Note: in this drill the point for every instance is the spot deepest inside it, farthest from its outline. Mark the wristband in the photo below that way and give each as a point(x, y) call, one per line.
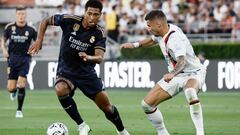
point(136, 44)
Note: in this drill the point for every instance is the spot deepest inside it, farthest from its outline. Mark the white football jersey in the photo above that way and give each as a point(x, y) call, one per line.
point(175, 43)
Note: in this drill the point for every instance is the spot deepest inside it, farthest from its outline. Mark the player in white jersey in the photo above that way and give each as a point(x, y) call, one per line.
point(185, 71)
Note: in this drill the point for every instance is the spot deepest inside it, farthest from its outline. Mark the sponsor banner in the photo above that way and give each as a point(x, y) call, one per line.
point(221, 75)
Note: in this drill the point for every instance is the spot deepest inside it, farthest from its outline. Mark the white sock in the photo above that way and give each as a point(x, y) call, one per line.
point(195, 110)
point(156, 119)
point(197, 118)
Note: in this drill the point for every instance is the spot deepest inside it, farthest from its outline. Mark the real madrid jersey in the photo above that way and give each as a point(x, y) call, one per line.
point(20, 38)
point(174, 44)
point(75, 39)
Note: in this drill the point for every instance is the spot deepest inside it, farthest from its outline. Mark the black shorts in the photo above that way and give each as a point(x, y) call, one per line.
point(89, 86)
point(18, 66)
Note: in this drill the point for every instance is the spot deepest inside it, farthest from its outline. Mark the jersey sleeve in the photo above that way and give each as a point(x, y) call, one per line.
point(57, 19)
point(177, 45)
point(101, 43)
point(6, 32)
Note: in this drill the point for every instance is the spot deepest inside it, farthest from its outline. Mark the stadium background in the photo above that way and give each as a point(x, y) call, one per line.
point(213, 27)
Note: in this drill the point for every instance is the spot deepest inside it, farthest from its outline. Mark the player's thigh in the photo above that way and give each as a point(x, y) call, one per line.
point(196, 80)
point(156, 95)
point(102, 101)
point(11, 85)
point(21, 82)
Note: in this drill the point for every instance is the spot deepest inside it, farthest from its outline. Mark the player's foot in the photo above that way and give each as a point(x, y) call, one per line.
point(13, 95)
point(84, 129)
point(124, 132)
point(19, 114)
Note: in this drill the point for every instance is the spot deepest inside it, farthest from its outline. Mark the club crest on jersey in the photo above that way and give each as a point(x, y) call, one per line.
point(75, 28)
point(13, 29)
point(92, 39)
point(26, 33)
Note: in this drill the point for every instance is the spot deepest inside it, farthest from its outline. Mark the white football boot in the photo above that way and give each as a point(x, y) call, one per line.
point(83, 129)
point(13, 96)
point(124, 132)
point(19, 114)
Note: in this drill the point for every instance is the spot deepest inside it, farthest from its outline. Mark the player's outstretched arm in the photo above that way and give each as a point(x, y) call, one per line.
point(36, 46)
point(143, 43)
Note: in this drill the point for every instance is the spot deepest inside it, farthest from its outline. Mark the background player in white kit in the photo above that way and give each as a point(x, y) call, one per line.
point(185, 71)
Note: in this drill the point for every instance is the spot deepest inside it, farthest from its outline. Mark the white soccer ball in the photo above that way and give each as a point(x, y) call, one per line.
point(57, 128)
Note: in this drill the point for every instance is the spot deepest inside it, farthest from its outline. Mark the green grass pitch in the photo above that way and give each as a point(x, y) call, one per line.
point(221, 113)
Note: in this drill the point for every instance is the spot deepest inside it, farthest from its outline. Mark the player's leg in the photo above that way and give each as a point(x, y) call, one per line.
point(102, 101)
point(12, 82)
point(149, 105)
point(191, 90)
point(63, 88)
point(12, 89)
point(21, 83)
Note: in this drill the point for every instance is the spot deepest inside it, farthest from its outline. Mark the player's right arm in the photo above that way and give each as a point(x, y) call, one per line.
point(143, 43)
point(5, 52)
point(34, 49)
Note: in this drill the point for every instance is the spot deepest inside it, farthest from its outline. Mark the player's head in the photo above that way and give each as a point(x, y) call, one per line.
point(93, 11)
point(156, 22)
point(21, 14)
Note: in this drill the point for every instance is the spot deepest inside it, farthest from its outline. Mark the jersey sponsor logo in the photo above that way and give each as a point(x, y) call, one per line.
point(92, 39)
point(78, 44)
point(19, 39)
point(13, 29)
point(75, 28)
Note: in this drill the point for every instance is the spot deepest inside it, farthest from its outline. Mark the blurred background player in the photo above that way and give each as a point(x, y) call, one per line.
point(82, 47)
point(185, 71)
point(19, 35)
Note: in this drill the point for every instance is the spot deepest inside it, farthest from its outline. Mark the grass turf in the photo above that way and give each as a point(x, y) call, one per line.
point(41, 108)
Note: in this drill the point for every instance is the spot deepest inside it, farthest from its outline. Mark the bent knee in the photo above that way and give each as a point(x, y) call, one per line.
point(191, 96)
point(147, 108)
point(62, 89)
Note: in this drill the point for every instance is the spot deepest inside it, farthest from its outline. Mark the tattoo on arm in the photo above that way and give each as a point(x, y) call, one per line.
point(180, 65)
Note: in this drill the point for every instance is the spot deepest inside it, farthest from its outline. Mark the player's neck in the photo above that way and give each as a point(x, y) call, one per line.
point(165, 31)
point(84, 24)
point(21, 24)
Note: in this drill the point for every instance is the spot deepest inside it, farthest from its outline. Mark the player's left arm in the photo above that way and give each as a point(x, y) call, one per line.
point(97, 58)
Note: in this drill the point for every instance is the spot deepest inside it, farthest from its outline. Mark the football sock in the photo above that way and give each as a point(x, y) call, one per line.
point(195, 110)
point(155, 117)
point(70, 107)
point(13, 91)
point(21, 96)
point(114, 117)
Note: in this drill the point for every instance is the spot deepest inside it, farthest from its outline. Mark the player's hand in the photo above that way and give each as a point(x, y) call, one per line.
point(126, 45)
point(168, 77)
point(35, 47)
point(83, 55)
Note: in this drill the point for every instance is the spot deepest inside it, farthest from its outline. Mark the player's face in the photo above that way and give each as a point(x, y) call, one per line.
point(21, 16)
point(92, 16)
point(154, 27)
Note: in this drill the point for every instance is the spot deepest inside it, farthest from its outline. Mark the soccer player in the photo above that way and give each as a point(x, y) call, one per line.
point(20, 36)
point(82, 46)
point(185, 71)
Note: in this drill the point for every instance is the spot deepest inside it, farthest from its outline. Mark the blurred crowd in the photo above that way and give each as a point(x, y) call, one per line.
point(126, 17)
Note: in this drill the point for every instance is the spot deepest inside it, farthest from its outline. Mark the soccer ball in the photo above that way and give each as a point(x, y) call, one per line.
point(57, 128)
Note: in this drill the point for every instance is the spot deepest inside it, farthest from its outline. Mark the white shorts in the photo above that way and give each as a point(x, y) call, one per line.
point(179, 81)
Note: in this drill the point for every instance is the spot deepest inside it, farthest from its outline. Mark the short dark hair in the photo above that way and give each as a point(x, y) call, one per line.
point(94, 4)
point(21, 7)
point(155, 14)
